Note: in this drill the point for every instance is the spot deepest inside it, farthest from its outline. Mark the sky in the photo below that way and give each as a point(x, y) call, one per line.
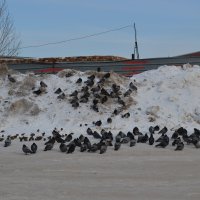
point(164, 27)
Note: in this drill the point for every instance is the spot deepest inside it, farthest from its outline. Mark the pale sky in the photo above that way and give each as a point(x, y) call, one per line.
point(164, 27)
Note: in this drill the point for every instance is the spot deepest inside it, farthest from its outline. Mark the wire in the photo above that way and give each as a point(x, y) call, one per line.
point(77, 38)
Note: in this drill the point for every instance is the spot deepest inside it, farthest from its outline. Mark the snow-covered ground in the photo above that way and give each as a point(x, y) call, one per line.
point(168, 96)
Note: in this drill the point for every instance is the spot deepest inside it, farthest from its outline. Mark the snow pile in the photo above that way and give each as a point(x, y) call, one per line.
point(168, 96)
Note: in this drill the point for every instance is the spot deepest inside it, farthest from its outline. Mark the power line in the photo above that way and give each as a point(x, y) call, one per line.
point(77, 38)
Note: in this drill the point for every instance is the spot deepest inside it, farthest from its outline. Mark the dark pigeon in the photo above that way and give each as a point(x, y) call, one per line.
point(34, 148)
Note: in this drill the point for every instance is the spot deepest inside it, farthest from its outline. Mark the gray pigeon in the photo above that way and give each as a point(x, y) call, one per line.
point(63, 147)
point(132, 142)
point(103, 148)
point(11, 79)
point(25, 149)
point(179, 146)
point(48, 147)
point(117, 146)
point(7, 142)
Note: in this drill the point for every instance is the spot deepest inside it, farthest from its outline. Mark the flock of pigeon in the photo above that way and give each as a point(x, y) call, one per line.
point(94, 90)
point(105, 139)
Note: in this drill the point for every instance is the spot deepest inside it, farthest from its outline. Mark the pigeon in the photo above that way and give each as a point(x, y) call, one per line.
point(122, 134)
point(11, 79)
point(104, 92)
point(151, 129)
point(42, 84)
point(109, 120)
point(95, 101)
point(103, 148)
point(143, 138)
point(120, 101)
point(164, 130)
point(48, 147)
point(196, 143)
point(89, 131)
point(61, 96)
point(51, 140)
point(95, 108)
point(197, 132)
point(96, 89)
point(58, 91)
point(115, 88)
point(136, 131)
point(160, 138)
point(117, 146)
point(118, 138)
point(59, 140)
point(96, 135)
point(89, 82)
point(69, 137)
point(93, 148)
point(156, 128)
point(107, 75)
point(63, 147)
point(176, 141)
point(87, 142)
point(164, 142)
point(181, 131)
point(132, 142)
point(92, 77)
point(71, 148)
point(102, 81)
point(98, 123)
point(151, 139)
point(127, 93)
point(73, 94)
point(104, 99)
point(132, 86)
point(34, 148)
point(38, 92)
point(126, 115)
point(26, 150)
point(125, 140)
point(79, 80)
point(175, 135)
point(77, 142)
point(7, 142)
point(75, 104)
point(116, 112)
point(179, 146)
point(130, 135)
point(81, 138)
point(83, 147)
point(84, 100)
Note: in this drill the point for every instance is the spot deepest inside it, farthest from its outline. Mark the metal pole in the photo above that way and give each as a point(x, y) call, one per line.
point(136, 51)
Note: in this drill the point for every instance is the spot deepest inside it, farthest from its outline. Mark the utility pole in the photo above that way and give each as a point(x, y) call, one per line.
point(136, 51)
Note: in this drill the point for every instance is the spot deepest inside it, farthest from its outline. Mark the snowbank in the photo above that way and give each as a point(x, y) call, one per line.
point(168, 96)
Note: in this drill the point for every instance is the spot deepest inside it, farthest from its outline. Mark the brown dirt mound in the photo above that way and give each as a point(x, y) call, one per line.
point(3, 69)
point(66, 73)
point(23, 106)
point(26, 85)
